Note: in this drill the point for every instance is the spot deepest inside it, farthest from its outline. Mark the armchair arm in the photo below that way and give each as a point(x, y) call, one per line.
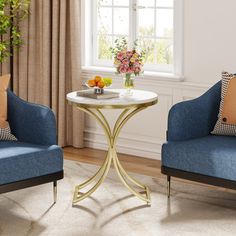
point(30, 122)
point(195, 118)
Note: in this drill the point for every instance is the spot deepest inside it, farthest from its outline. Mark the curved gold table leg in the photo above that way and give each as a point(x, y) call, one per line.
point(104, 169)
point(121, 116)
point(101, 170)
point(122, 121)
point(79, 196)
point(112, 137)
point(124, 176)
point(125, 182)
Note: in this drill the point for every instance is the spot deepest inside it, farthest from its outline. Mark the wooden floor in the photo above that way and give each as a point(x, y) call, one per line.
point(130, 163)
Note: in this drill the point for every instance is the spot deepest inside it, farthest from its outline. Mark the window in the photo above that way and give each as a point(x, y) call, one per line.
point(153, 22)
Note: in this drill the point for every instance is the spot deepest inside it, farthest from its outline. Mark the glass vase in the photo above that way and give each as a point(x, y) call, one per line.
point(128, 84)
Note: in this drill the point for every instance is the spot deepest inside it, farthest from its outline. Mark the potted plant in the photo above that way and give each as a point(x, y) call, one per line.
point(12, 12)
point(128, 62)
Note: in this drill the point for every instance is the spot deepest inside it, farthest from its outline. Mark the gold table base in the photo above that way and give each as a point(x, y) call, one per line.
point(111, 157)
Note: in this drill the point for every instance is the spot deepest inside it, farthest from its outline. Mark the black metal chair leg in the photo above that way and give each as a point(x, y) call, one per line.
point(55, 191)
point(168, 185)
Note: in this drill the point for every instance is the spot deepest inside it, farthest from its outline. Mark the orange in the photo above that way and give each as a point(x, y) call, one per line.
point(97, 78)
point(101, 84)
point(91, 83)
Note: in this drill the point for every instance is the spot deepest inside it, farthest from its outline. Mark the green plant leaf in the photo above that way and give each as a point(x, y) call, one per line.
point(12, 12)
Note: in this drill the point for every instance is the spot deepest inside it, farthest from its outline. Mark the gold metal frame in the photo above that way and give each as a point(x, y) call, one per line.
point(111, 157)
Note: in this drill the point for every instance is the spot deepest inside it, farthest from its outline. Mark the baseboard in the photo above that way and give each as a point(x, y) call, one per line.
point(141, 146)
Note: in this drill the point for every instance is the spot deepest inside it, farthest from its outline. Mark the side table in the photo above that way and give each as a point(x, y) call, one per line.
point(130, 106)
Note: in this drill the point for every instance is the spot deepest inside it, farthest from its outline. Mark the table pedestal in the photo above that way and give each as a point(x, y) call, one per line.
point(111, 157)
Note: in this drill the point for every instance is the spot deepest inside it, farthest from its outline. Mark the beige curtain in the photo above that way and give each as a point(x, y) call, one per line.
point(48, 65)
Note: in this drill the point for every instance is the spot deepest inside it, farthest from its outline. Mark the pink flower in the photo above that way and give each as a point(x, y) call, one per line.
point(120, 56)
point(130, 70)
point(128, 61)
point(136, 64)
point(129, 54)
point(123, 69)
point(125, 62)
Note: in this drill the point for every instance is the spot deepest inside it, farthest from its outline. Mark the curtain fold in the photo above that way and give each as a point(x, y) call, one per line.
point(48, 65)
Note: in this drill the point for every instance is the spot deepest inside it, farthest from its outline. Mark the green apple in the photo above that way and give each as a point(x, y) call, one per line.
point(107, 81)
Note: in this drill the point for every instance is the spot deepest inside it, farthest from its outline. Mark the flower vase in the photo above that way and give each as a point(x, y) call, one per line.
point(128, 83)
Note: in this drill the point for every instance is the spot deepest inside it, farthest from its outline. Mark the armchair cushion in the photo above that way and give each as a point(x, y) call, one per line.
point(211, 155)
point(20, 161)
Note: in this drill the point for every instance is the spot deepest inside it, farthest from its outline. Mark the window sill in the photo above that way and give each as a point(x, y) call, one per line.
point(152, 75)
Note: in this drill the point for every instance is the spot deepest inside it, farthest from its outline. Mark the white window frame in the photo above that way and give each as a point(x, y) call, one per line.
point(88, 39)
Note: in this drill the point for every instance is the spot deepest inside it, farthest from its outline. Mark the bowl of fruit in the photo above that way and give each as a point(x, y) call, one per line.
point(99, 84)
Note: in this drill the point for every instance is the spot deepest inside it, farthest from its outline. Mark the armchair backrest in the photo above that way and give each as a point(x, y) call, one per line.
point(211, 100)
point(195, 118)
point(30, 122)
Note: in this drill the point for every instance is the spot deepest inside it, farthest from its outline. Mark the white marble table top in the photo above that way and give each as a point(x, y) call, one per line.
point(138, 97)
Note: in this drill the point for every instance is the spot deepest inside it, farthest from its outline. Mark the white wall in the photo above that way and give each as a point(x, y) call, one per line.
point(209, 48)
point(209, 39)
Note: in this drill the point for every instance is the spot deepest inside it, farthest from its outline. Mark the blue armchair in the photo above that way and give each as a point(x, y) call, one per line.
point(191, 152)
point(35, 158)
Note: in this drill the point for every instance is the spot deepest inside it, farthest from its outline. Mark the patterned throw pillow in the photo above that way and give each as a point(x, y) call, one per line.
point(5, 131)
point(226, 123)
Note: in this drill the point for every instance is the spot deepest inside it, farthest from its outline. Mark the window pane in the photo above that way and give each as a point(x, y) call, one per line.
point(104, 20)
point(164, 51)
point(164, 25)
point(146, 3)
point(148, 45)
point(121, 21)
point(121, 2)
point(104, 2)
point(104, 44)
point(146, 22)
point(155, 22)
point(165, 3)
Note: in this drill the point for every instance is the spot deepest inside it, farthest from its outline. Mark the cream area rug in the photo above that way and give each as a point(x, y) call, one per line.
point(112, 211)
